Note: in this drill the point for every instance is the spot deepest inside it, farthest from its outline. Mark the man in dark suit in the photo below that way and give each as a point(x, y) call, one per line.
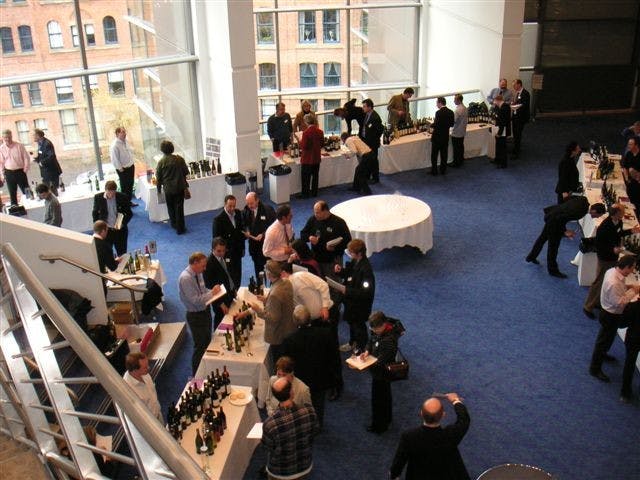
point(256, 218)
point(228, 225)
point(521, 114)
point(217, 273)
point(431, 451)
point(349, 112)
point(503, 122)
point(370, 133)
point(104, 250)
point(107, 206)
point(442, 122)
point(568, 176)
point(49, 167)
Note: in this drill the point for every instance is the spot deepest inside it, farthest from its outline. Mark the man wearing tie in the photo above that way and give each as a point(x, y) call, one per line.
point(256, 218)
point(228, 225)
point(217, 273)
point(442, 122)
point(520, 116)
point(370, 133)
point(278, 237)
point(503, 122)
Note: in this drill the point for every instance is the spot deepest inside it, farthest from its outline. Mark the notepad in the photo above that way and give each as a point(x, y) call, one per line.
point(256, 431)
point(119, 220)
point(334, 242)
point(359, 364)
point(220, 294)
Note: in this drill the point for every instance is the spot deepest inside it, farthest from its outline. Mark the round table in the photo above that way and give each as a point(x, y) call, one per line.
point(514, 471)
point(385, 221)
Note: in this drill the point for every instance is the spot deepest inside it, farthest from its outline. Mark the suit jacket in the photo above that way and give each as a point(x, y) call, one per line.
point(123, 206)
point(608, 236)
point(351, 113)
point(371, 130)
point(171, 174)
point(311, 145)
point(568, 176)
point(278, 312)
point(105, 255)
point(360, 286)
point(214, 274)
point(432, 452)
point(265, 216)
point(523, 113)
point(503, 120)
point(557, 216)
point(313, 349)
point(49, 166)
point(222, 227)
point(442, 122)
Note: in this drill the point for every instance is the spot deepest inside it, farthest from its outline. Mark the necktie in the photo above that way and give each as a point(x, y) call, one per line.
point(224, 266)
point(198, 283)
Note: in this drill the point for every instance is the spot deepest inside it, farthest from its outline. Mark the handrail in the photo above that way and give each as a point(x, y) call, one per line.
point(85, 269)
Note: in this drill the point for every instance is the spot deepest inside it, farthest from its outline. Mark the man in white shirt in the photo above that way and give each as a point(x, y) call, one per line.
point(279, 235)
point(460, 120)
point(615, 296)
point(311, 291)
point(14, 165)
point(138, 378)
point(122, 160)
point(365, 162)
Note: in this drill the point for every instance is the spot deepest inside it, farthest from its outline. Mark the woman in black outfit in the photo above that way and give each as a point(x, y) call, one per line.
point(568, 173)
point(383, 345)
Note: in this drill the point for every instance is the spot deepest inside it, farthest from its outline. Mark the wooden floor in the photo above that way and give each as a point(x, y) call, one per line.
point(18, 462)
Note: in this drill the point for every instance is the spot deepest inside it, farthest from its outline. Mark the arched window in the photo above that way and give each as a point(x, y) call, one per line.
point(7, 40)
point(26, 42)
point(110, 30)
point(308, 75)
point(55, 34)
point(331, 74)
point(267, 73)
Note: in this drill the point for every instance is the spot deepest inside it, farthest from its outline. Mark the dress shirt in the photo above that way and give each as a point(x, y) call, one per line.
point(615, 295)
point(367, 117)
point(301, 394)
point(14, 157)
point(121, 154)
point(112, 211)
point(356, 145)
point(311, 291)
point(146, 390)
point(276, 239)
point(232, 218)
point(460, 120)
point(193, 294)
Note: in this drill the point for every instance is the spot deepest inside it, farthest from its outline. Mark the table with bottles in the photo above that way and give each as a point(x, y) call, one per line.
point(142, 265)
point(212, 428)
point(252, 364)
point(412, 152)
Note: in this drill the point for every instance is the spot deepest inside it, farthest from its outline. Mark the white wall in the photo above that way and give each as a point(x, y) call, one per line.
point(30, 239)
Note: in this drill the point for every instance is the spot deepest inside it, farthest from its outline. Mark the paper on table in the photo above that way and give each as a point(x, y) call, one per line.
point(359, 364)
point(334, 242)
point(124, 259)
point(256, 431)
point(220, 294)
point(335, 285)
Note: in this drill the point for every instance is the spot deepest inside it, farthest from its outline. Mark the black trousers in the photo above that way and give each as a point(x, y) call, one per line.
point(553, 237)
point(518, 127)
point(441, 148)
point(609, 323)
point(259, 261)
point(277, 143)
point(309, 177)
point(175, 207)
point(126, 180)
point(357, 321)
point(15, 179)
point(458, 150)
point(52, 181)
point(501, 151)
point(118, 239)
point(318, 396)
point(200, 327)
point(374, 165)
point(629, 367)
point(362, 172)
point(381, 402)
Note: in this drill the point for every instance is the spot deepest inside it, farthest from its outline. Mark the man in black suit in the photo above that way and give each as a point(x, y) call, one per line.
point(442, 122)
point(503, 122)
point(349, 112)
point(256, 218)
point(217, 273)
point(521, 113)
point(107, 206)
point(104, 250)
point(228, 225)
point(49, 167)
point(370, 133)
point(431, 451)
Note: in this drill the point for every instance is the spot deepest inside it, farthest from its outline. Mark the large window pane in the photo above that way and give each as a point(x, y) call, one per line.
point(331, 74)
point(308, 75)
point(55, 35)
point(7, 40)
point(267, 72)
point(22, 129)
point(90, 32)
point(264, 28)
point(26, 42)
point(35, 97)
point(64, 90)
point(110, 30)
point(307, 27)
point(70, 128)
point(331, 122)
point(15, 92)
point(331, 26)
point(116, 83)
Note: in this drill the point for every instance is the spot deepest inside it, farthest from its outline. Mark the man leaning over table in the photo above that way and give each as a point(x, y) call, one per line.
point(194, 296)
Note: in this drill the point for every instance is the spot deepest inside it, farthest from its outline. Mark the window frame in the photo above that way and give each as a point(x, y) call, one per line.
point(70, 131)
point(336, 103)
point(328, 78)
point(313, 69)
point(6, 38)
point(75, 36)
point(42, 124)
point(60, 87)
point(113, 91)
point(15, 94)
point(264, 78)
point(90, 37)
point(302, 22)
point(55, 37)
point(24, 34)
point(109, 30)
point(31, 90)
point(269, 26)
point(327, 26)
point(23, 133)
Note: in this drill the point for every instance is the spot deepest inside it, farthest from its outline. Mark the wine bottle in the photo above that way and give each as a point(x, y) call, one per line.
point(236, 337)
point(211, 442)
point(223, 418)
point(97, 184)
point(215, 399)
point(227, 339)
point(199, 441)
point(219, 167)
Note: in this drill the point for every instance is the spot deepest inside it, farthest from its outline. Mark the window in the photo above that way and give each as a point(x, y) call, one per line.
point(110, 30)
point(75, 40)
point(26, 42)
point(307, 27)
point(41, 123)
point(264, 28)
point(364, 23)
point(70, 130)
point(97, 113)
point(93, 82)
point(308, 75)
point(331, 74)
point(91, 35)
point(267, 76)
point(64, 90)
point(116, 83)
point(22, 127)
point(268, 108)
point(15, 92)
point(331, 26)
point(331, 122)
point(55, 35)
point(7, 40)
point(35, 96)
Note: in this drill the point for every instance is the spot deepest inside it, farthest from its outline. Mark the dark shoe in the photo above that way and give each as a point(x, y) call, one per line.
point(609, 358)
point(352, 189)
point(600, 375)
point(263, 471)
point(133, 204)
point(434, 173)
point(557, 274)
point(378, 429)
point(443, 172)
point(501, 166)
point(181, 232)
point(588, 313)
point(366, 192)
point(625, 398)
point(532, 260)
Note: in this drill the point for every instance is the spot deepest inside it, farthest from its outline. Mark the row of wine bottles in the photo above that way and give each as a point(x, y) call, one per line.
point(213, 427)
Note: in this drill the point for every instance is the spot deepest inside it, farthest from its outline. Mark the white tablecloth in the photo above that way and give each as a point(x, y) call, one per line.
point(116, 293)
point(234, 451)
point(251, 371)
point(207, 193)
point(385, 221)
point(412, 152)
point(76, 203)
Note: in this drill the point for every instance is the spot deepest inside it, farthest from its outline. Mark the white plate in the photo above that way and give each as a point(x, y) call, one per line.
point(241, 401)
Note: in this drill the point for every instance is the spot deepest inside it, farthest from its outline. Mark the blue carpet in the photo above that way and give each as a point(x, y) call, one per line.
point(480, 321)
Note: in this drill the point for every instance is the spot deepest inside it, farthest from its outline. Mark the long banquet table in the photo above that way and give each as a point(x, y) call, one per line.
point(385, 221)
point(116, 293)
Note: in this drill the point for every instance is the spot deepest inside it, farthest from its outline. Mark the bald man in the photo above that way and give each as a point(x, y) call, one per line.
point(256, 218)
point(431, 451)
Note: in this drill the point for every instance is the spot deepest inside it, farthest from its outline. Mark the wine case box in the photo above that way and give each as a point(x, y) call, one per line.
point(121, 313)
